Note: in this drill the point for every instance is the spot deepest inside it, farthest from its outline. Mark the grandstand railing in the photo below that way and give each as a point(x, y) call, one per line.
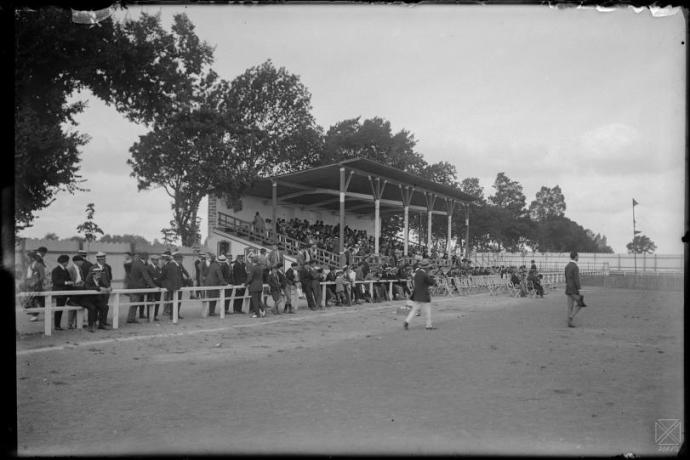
point(245, 229)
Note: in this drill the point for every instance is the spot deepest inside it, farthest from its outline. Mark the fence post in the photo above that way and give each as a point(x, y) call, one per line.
point(390, 290)
point(222, 303)
point(116, 311)
point(48, 320)
point(175, 307)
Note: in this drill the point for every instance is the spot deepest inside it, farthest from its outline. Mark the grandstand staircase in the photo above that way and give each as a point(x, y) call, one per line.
point(232, 226)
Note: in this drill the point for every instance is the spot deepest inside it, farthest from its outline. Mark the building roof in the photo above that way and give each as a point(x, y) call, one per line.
point(320, 187)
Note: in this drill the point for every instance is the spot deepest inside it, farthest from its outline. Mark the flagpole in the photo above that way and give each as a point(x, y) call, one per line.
point(633, 241)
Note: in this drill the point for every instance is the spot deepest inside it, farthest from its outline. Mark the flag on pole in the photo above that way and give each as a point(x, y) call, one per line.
point(635, 203)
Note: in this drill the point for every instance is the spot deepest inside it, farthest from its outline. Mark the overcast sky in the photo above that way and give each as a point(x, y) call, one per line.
point(591, 101)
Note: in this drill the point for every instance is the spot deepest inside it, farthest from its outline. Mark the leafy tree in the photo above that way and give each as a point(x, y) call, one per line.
point(470, 185)
point(137, 66)
point(51, 237)
point(641, 244)
point(549, 202)
point(89, 228)
point(508, 195)
point(267, 112)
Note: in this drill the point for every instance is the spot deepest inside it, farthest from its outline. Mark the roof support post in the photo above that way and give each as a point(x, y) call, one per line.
point(467, 231)
point(274, 224)
point(341, 220)
point(406, 192)
point(450, 205)
point(430, 202)
point(377, 191)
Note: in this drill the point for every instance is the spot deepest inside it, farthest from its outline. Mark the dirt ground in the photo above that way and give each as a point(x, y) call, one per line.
point(500, 375)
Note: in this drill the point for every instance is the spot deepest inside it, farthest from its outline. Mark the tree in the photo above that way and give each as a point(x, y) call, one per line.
point(135, 240)
point(508, 195)
point(470, 185)
point(549, 202)
point(641, 244)
point(89, 228)
point(51, 237)
point(137, 66)
point(267, 111)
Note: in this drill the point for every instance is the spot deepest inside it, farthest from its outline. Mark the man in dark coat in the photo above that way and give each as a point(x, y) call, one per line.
point(239, 276)
point(226, 268)
point(214, 278)
point(572, 288)
point(62, 281)
point(171, 281)
point(305, 278)
point(155, 273)
point(421, 298)
point(106, 279)
point(96, 304)
point(139, 278)
point(255, 284)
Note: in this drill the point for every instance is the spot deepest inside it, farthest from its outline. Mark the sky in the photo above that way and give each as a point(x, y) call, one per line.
point(591, 101)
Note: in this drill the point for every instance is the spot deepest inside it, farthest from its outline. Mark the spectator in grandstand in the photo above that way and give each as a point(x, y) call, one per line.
point(239, 272)
point(62, 281)
point(97, 304)
point(291, 280)
point(214, 278)
point(259, 224)
point(572, 288)
point(255, 284)
point(421, 297)
point(139, 278)
point(154, 270)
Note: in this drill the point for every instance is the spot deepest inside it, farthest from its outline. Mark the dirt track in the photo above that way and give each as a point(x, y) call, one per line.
point(500, 375)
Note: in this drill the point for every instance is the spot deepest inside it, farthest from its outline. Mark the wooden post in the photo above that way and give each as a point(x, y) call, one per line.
point(390, 289)
point(116, 311)
point(175, 307)
point(341, 219)
point(406, 231)
point(274, 224)
point(323, 296)
point(221, 301)
point(161, 302)
point(48, 320)
point(467, 231)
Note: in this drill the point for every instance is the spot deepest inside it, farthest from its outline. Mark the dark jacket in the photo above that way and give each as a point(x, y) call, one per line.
point(255, 280)
point(171, 277)
point(226, 269)
point(572, 278)
point(155, 273)
point(214, 277)
point(139, 277)
point(239, 272)
point(422, 282)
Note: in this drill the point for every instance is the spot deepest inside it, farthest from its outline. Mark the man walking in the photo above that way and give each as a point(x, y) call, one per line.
point(572, 288)
point(421, 298)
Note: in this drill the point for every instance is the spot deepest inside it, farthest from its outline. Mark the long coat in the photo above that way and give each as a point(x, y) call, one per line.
point(171, 277)
point(422, 282)
point(215, 277)
point(572, 278)
point(239, 272)
point(139, 276)
point(255, 280)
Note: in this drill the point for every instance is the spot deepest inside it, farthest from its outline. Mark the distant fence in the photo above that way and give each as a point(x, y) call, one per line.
point(654, 263)
point(116, 253)
point(651, 281)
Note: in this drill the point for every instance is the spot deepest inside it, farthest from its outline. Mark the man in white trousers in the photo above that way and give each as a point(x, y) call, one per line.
point(421, 298)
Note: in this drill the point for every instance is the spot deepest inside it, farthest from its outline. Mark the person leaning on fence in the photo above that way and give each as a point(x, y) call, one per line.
point(572, 288)
point(421, 297)
point(97, 304)
point(291, 295)
point(139, 278)
point(62, 281)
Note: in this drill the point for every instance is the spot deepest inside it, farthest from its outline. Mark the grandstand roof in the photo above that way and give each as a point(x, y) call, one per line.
point(320, 187)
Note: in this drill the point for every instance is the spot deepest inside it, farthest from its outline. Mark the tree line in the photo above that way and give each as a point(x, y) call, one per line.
point(207, 135)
